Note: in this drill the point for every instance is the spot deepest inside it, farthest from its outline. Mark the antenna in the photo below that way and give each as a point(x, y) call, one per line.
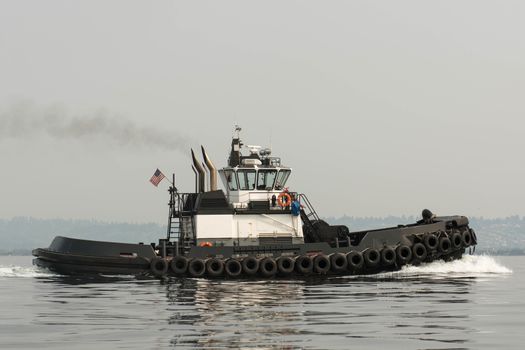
point(237, 131)
point(271, 148)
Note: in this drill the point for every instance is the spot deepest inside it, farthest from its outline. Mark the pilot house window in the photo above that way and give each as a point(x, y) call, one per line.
point(281, 179)
point(266, 179)
point(232, 180)
point(246, 179)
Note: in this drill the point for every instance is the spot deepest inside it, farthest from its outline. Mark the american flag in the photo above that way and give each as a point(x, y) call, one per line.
point(157, 177)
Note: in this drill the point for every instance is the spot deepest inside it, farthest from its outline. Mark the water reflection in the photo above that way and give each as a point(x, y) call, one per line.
point(360, 312)
point(308, 313)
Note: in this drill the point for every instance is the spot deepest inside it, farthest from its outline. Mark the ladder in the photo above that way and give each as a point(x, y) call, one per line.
point(180, 223)
point(308, 208)
point(309, 217)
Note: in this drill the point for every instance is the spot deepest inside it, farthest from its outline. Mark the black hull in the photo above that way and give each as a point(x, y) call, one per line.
point(378, 251)
point(75, 265)
point(68, 264)
point(77, 256)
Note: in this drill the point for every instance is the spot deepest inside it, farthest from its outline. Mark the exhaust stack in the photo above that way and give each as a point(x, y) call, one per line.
point(212, 169)
point(200, 170)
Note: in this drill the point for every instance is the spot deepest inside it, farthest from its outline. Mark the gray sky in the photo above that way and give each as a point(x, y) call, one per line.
point(381, 107)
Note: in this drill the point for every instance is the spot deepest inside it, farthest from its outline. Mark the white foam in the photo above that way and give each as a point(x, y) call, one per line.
point(467, 266)
point(20, 271)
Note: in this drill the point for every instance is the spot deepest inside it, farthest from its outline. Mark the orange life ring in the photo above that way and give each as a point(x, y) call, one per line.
point(206, 244)
point(282, 203)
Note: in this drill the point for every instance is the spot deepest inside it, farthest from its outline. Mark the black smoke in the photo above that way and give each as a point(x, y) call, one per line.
point(24, 119)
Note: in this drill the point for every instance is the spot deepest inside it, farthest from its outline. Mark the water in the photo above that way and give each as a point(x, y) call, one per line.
point(474, 303)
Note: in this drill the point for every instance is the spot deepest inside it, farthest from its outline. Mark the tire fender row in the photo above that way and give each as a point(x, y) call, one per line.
point(425, 247)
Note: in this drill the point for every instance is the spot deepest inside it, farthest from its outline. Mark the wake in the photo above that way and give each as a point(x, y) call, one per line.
point(19, 271)
point(467, 266)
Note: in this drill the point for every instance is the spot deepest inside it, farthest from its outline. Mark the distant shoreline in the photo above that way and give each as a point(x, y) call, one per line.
point(503, 236)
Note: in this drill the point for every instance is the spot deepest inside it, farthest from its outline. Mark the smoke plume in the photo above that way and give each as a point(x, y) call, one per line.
point(25, 119)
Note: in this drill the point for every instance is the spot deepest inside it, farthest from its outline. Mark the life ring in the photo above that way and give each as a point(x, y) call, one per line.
point(282, 203)
point(205, 244)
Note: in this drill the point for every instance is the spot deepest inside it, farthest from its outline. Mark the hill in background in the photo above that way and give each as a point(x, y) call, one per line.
point(21, 234)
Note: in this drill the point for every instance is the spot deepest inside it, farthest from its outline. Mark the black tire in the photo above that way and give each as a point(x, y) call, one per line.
point(404, 254)
point(388, 256)
point(250, 265)
point(179, 265)
point(285, 265)
point(371, 257)
point(419, 251)
point(444, 245)
point(466, 238)
point(456, 240)
point(355, 260)
point(474, 237)
point(338, 262)
point(214, 267)
point(158, 267)
point(304, 265)
point(321, 264)
point(267, 267)
point(431, 242)
point(233, 268)
point(197, 267)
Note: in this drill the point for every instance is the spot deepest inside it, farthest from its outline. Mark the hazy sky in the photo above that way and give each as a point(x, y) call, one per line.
point(381, 107)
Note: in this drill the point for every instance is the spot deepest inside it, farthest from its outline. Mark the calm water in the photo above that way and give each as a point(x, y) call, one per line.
point(475, 303)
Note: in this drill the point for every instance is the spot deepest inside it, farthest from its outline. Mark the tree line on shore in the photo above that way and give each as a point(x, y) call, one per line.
point(503, 236)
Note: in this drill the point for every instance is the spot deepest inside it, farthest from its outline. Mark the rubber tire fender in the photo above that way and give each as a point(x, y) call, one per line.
point(285, 265)
point(466, 238)
point(474, 237)
point(196, 267)
point(304, 264)
point(214, 267)
point(321, 264)
point(419, 251)
point(338, 262)
point(372, 257)
point(431, 242)
point(445, 245)
point(355, 260)
point(158, 267)
point(250, 265)
point(267, 267)
point(233, 268)
point(388, 256)
point(404, 254)
point(456, 240)
point(179, 265)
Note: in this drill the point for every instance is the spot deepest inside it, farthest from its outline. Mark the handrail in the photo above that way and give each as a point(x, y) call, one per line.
point(309, 205)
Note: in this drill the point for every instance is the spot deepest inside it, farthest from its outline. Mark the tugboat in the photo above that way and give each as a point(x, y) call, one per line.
point(256, 226)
